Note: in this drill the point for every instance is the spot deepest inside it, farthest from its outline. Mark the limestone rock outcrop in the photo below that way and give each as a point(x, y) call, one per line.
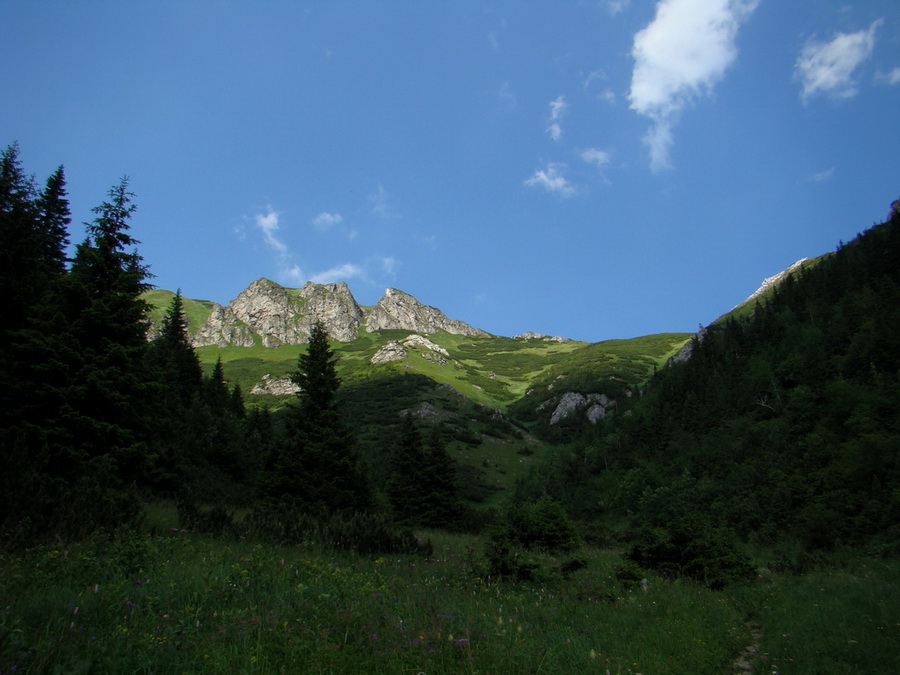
point(392, 351)
point(272, 315)
point(572, 402)
point(397, 350)
point(399, 310)
point(275, 386)
point(223, 329)
point(281, 316)
point(539, 336)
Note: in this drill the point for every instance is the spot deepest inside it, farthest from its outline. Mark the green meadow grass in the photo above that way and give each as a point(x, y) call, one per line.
point(177, 602)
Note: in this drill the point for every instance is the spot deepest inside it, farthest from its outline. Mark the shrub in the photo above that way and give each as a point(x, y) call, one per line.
point(693, 547)
point(521, 542)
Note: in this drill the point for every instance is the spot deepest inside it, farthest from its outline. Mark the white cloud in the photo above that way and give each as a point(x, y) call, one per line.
point(380, 205)
point(292, 275)
point(679, 57)
point(890, 78)
point(599, 158)
point(268, 223)
point(339, 273)
point(507, 95)
point(822, 176)
point(827, 67)
point(388, 264)
point(617, 6)
point(607, 94)
point(327, 220)
point(557, 110)
point(552, 180)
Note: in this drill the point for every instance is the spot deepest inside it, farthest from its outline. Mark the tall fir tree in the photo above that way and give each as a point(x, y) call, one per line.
point(174, 356)
point(105, 411)
point(442, 506)
point(407, 488)
point(315, 467)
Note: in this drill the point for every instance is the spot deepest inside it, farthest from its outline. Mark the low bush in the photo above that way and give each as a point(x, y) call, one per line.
point(694, 547)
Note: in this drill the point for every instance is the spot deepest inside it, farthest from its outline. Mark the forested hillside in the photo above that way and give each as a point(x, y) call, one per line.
point(782, 426)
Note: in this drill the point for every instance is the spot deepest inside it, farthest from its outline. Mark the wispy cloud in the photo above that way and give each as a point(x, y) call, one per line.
point(380, 204)
point(552, 180)
point(828, 67)
point(606, 94)
point(617, 6)
point(327, 220)
point(822, 176)
point(598, 158)
point(268, 223)
point(557, 110)
point(388, 264)
point(891, 78)
point(679, 57)
point(339, 273)
point(507, 95)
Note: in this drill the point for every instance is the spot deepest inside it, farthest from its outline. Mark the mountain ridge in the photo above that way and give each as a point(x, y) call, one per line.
point(273, 315)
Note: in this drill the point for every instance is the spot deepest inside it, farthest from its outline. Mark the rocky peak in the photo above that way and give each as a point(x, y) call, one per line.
point(269, 314)
point(266, 309)
point(333, 305)
point(281, 316)
point(399, 310)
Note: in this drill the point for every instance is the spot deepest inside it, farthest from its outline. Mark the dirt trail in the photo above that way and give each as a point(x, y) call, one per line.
point(744, 663)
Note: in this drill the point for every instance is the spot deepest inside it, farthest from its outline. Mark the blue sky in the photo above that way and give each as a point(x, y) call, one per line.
point(592, 169)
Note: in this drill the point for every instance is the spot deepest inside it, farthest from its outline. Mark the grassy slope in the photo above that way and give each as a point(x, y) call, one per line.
point(179, 602)
point(197, 311)
point(492, 371)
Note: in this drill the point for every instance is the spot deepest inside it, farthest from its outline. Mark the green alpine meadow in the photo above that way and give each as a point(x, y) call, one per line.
point(297, 483)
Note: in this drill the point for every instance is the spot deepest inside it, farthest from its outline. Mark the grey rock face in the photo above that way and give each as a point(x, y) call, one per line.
point(275, 386)
point(335, 306)
point(392, 351)
point(267, 310)
point(281, 317)
point(539, 336)
point(573, 401)
point(399, 350)
point(273, 315)
point(399, 310)
point(223, 329)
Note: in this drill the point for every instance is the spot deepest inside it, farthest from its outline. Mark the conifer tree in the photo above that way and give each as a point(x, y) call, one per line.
point(442, 506)
point(107, 328)
point(217, 388)
point(408, 485)
point(174, 356)
point(315, 467)
point(54, 218)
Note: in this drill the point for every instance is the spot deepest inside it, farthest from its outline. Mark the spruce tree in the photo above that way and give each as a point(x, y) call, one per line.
point(407, 487)
point(315, 467)
point(442, 505)
point(174, 356)
point(107, 326)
